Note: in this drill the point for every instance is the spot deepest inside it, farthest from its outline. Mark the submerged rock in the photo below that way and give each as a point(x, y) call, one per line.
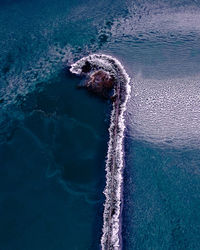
point(100, 83)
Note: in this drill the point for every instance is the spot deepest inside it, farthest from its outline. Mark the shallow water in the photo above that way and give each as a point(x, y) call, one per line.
point(54, 137)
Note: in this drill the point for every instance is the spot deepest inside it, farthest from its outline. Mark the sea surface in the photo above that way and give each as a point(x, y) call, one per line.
point(54, 136)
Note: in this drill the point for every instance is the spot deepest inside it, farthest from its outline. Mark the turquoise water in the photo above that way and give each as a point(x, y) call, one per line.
point(53, 137)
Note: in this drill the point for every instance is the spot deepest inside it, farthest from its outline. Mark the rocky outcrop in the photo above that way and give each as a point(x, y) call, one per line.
point(86, 67)
point(100, 83)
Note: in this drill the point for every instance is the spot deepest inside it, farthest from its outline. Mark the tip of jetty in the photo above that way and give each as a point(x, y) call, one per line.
point(98, 82)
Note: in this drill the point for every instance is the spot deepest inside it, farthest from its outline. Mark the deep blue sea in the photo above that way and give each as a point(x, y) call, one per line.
point(53, 136)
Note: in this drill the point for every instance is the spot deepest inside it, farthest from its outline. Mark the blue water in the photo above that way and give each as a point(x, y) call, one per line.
point(53, 137)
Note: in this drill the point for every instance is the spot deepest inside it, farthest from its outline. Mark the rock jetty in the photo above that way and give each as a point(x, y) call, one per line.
point(106, 75)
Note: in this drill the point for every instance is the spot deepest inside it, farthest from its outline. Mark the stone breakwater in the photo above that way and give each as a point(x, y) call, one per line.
point(106, 73)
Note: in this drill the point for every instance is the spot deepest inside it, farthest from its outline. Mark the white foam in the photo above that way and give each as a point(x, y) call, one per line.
point(111, 238)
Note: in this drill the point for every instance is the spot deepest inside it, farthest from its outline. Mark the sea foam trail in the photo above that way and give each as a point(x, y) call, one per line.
point(111, 237)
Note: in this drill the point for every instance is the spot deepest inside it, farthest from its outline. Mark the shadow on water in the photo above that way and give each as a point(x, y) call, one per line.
point(57, 154)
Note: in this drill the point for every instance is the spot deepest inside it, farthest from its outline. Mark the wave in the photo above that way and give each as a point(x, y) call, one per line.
point(166, 111)
point(111, 237)
point(157, 20)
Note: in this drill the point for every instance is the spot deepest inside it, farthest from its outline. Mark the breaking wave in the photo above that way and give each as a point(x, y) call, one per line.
point(111, 237)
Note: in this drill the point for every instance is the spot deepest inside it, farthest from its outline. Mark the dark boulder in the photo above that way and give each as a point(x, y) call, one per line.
point(86, 67)
point(100, 83)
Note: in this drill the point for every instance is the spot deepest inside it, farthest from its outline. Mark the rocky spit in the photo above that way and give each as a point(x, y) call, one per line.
point(106, 77)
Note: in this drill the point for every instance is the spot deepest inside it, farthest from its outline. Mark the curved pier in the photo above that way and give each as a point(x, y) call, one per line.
point(111, 237)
